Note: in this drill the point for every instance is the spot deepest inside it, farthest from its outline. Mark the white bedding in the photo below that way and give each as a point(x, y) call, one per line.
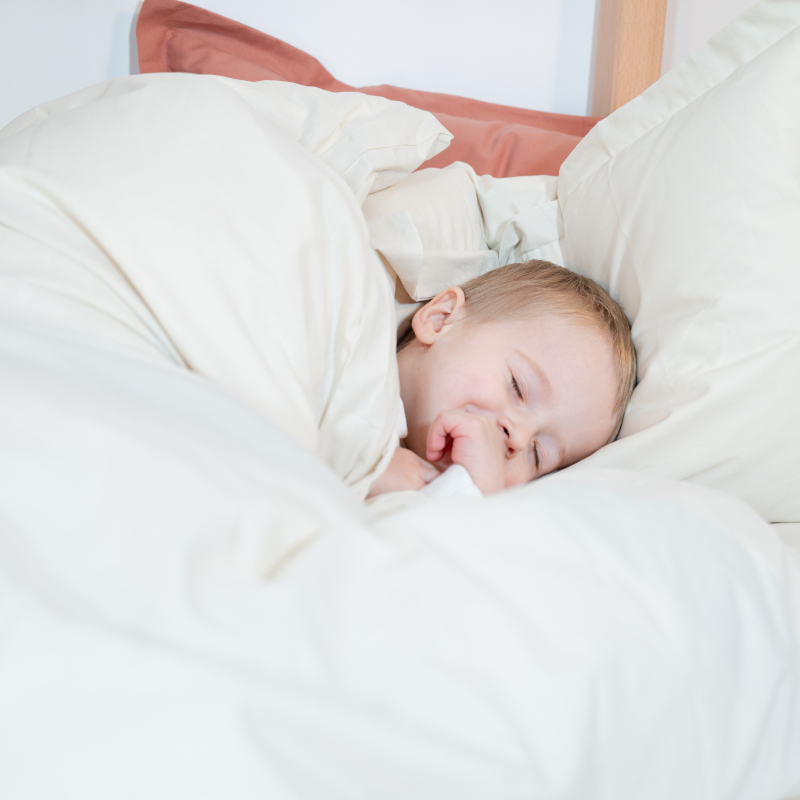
point(186, 217)
point(685, 208)
point(194, 606)
point(789, 533)
point(193, 603)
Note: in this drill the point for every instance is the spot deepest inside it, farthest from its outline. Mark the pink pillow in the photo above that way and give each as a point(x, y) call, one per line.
point(493, 139)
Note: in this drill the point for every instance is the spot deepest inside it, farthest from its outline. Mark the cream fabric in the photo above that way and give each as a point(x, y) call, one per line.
point(789, 533)
point(194, 606)
point(442, 227)
point(686, 204)
point(184, 216)
point(370, 142)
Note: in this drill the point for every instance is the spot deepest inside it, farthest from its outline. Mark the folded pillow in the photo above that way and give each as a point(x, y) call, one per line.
point(685, 203)
point(494, 139)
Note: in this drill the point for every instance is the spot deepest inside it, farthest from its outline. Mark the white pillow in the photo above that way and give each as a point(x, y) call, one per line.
point(685, 203)
point(442, 227)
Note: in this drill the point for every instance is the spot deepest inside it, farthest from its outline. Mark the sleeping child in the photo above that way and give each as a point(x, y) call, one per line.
point(517, 373)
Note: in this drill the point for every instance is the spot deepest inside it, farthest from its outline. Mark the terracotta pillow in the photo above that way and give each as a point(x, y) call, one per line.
point(493, 139)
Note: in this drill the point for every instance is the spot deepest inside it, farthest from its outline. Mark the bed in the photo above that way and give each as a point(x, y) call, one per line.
point(195, 600)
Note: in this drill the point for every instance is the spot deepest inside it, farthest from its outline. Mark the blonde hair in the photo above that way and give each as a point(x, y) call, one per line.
point(540, 288)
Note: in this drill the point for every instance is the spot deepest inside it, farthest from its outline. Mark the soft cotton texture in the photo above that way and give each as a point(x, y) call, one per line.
point(441, 227)
point(685, 204)
point(199, 385)
point(189, 217)
point(195, 606)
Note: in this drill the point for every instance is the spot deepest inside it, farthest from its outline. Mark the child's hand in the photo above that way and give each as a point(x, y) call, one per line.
point(406, 471)
point(472, 440)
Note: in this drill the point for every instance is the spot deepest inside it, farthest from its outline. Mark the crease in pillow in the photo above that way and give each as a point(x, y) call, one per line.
point(159, 17)
point(693, 227)
point(440, 228)
point(529, 231)
point(741, 41)
point(197, 56)
point(504, 150)
point(424, 272)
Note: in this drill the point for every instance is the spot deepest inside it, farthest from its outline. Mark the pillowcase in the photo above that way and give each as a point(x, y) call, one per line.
point(494, 139)
point(686, 204)
point(428, 229)
point(442, 227)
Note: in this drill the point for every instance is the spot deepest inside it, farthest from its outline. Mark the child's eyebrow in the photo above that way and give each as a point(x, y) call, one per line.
point(547, 389)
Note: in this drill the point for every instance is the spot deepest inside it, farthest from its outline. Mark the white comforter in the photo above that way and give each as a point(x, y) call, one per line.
point(194, 604)
point(186, 218)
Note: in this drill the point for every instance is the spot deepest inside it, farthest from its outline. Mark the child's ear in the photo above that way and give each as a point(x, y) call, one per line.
point(434, 317)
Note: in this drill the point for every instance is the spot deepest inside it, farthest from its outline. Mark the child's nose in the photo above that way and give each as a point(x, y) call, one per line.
point(516, 435)
point(510, 435)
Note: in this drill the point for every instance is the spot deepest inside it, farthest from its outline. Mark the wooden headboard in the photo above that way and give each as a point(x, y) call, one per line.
point(630, 39)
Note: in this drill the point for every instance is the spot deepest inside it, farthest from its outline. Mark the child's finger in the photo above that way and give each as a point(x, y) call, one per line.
point(429, 473)
point(437, 442)
point(442, 429)
point(434, 447)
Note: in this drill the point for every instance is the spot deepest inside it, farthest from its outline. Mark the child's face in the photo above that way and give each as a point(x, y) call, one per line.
point(563, 370)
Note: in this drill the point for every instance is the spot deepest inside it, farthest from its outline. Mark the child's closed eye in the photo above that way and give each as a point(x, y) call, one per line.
point(515, 385)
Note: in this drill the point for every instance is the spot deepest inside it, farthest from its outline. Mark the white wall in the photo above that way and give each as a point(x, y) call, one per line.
point(530, 53)
point(691, 23)
point(49, 48)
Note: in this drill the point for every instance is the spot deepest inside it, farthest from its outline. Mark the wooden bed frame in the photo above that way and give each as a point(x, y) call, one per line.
point(630, 40)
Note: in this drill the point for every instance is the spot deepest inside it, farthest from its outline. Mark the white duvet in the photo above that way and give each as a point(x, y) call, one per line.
point(194, 601)
point(185, 217)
